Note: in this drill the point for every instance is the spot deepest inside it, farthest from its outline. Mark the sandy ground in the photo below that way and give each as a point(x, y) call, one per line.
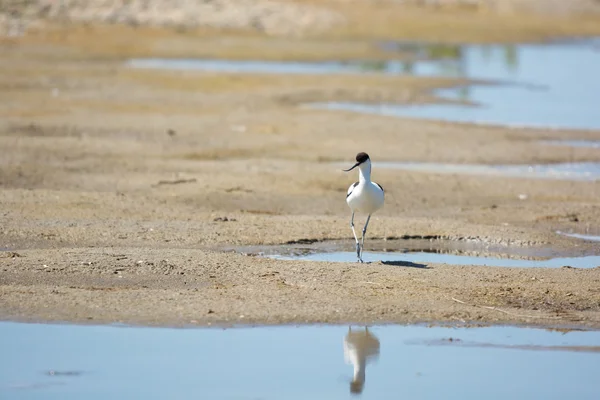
point(114, 184)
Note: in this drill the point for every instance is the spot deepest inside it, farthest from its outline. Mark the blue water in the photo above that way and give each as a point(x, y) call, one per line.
point(584, 171)
point(591, 238)
point(552, 85)
point(592, 144)
point(101, 362)
point(421, 259)
point(544, 85)
point(274, 67)
point(423, 67)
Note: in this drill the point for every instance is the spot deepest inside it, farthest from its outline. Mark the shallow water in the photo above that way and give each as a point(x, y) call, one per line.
point(419, 253)
point(103, 362)
point(584, 171)
point(592, 238)
point(592, 144)
point(422, 259)
point(551, 85)
point(433, 244)
point(422, 65)
point(275, 67)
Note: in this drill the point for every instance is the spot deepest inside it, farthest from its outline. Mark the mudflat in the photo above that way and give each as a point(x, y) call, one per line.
point(120, 189)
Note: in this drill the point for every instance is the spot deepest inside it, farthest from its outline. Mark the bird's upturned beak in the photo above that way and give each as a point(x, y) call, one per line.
point(354, 166)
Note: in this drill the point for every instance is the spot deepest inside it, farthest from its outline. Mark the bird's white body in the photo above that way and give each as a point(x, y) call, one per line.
point(364, 195)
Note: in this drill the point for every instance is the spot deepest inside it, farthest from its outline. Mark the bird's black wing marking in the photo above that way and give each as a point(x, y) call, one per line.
point(380, 187)
point(355, 184)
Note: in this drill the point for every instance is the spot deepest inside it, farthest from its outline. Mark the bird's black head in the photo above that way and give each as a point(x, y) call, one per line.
point(360, 158)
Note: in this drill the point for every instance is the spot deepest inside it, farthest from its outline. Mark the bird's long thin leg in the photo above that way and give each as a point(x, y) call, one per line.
point(355, 238)
point(363, 233)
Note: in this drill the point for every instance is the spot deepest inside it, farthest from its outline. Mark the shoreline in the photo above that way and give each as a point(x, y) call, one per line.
point(241, 325)
point(163, 288)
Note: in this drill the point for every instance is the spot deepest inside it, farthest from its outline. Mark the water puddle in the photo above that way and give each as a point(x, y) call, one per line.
point(583, 171)
point(329, 362)
point(547, 93)
point(422, 259)
point(591, 238)
point(421, 253)
point(592, 144)
point(278, 67)
point(409, 244)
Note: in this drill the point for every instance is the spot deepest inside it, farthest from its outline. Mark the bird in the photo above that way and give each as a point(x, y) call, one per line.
point(360, 347)
point(364, 196)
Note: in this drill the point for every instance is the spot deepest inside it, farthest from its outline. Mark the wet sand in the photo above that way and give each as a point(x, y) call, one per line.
point(115, 184)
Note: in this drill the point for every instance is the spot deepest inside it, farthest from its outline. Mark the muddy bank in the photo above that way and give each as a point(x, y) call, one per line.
point(270, 17)
point(182, 287)
point(435, 21)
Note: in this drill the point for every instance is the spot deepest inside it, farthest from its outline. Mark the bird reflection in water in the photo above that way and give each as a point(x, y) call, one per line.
point(360, 347)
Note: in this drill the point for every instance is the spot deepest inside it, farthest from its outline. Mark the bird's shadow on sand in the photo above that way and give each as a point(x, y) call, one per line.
point(405, 264)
